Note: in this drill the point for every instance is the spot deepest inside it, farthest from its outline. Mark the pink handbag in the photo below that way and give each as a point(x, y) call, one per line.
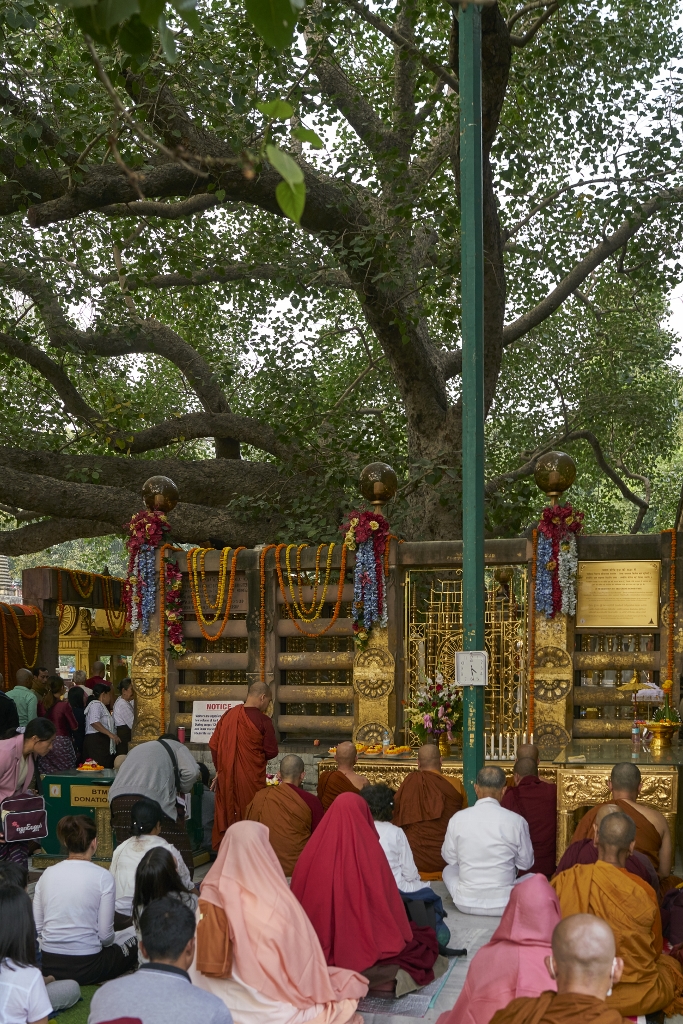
point(23, 817)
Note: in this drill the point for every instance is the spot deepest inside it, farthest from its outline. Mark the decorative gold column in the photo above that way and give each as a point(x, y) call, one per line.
point(147, 675)
point(553, 682)
point(373, 686)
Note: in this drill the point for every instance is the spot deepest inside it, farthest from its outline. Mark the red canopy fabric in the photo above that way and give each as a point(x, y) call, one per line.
point(345, 885)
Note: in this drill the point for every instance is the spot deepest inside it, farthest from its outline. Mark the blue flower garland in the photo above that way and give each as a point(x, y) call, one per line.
point(147, 580)
point(365, 584)
point(544, 580)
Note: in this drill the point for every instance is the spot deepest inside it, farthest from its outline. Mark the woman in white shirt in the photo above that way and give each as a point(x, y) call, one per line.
point(124, 714)
point(146, 817)
point(394, 842)
point(73, 907)
point(23, 996)
point(101, 739)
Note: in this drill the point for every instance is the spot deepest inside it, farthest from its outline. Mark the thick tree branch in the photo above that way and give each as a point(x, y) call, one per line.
point(203, 424)
point(38, 536)
point(73, 401)
point(611, 244)
point(451, 363)
point(166, 211)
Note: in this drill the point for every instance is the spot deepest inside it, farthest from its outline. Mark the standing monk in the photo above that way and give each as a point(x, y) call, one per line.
point(536, 801)
point(424, 804)
point(344, 779)
point(242, 744)
point(652, 832)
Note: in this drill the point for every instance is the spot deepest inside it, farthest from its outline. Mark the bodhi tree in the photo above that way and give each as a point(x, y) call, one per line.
point(236, 262)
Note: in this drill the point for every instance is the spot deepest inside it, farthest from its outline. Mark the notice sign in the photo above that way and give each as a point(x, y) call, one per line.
point(205, 716)
point(89, 796)
point(618, 594)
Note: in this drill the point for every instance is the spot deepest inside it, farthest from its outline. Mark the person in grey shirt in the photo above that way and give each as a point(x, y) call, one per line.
point(159, 770)
point(160, 992)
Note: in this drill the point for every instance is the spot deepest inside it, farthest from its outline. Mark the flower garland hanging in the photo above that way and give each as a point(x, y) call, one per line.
point(146, 531)
point(172, 605)
point(557, 560)
point(366, 534)
point(197, 575)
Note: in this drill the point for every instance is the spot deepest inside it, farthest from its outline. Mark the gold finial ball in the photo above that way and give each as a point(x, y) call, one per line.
point(160, 494)
point(378, 483)
point(555, 472)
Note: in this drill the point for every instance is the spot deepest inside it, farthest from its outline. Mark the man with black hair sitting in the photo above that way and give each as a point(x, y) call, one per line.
point(161, 992)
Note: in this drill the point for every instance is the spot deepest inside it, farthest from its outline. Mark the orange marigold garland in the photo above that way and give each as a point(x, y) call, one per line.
point(192, 556)
point(20, 633)
point(283, 591)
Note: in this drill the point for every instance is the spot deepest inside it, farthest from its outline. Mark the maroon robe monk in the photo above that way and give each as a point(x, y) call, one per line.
point(241, 745)
point(424, 804)
point(536, 802)
point(344, 779)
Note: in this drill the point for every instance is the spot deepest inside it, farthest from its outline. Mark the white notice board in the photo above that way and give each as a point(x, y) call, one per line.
point(205, 717)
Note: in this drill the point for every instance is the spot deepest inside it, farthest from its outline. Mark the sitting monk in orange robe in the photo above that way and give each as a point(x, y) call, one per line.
point(651, 981)
point(586, 852)
point(242, 744)
point(424, 804)
point(536, 802)
point(288, 812)
point(344, 779)
point(585, 968)
point(653, 837)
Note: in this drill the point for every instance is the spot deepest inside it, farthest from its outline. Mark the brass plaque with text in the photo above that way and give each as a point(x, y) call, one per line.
point(617, 594)
point(89, 796)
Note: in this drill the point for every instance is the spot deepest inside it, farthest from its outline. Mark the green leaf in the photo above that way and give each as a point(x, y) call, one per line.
point(277, 110)
point(192, 20)
point(167, 41)
point(291, 199)
point(274, 20)
point(307, 135)
point(135, 38)
point(150, 10)
point(286, 167)
point(109, 13)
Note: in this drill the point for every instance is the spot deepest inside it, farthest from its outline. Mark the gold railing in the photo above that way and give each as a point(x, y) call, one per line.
point(434, 632)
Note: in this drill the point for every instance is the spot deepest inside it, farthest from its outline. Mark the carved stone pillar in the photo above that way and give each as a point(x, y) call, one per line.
point(146, 674)
point(373, 686)
point(553, 683)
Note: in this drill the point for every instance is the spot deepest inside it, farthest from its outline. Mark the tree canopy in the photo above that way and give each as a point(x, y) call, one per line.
point(238, 265)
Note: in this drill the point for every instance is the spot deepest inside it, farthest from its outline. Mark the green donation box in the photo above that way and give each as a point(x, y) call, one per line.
point(75, 792)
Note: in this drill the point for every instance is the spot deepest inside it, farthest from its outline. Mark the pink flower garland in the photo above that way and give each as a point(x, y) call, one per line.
point(173, 580)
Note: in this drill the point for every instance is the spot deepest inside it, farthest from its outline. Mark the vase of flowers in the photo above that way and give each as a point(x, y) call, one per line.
point(436, 712)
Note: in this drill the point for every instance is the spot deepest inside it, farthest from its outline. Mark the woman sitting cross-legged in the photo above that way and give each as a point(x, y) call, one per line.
point(146, 819)
point(256, 948)
point(101, 738)
point(157, 876)
point(23, 996)
point(73, 908)
point(344, 883)
point(512, 963)
point(394, 842)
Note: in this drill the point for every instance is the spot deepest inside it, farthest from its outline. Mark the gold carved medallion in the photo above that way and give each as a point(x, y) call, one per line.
point(373, 673)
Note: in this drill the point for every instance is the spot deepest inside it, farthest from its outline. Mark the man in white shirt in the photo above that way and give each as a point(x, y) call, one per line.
point(484, 847)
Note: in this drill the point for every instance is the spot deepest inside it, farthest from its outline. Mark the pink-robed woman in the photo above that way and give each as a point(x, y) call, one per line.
point(512, 964)
point(256, 948)
point(16, 773)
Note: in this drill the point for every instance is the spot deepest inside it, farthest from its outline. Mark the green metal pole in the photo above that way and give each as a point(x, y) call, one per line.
point(472, 249)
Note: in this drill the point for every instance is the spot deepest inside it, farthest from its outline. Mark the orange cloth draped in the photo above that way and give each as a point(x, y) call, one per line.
point(237, 750)
point(551, 1008)
point(650, 982)
point(333, 784)
point(288, 820)
point(424, 804)
point(648, 839)
point(214, 948)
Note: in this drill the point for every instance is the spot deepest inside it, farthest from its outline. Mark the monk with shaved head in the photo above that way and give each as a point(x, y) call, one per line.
point(585, 968)
point(425, 802)
point(586, 852)
point(289, 812)
point(242, 744)
point(653, 837)
point(651, 981)
point(344, 779)
point(536, 801)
